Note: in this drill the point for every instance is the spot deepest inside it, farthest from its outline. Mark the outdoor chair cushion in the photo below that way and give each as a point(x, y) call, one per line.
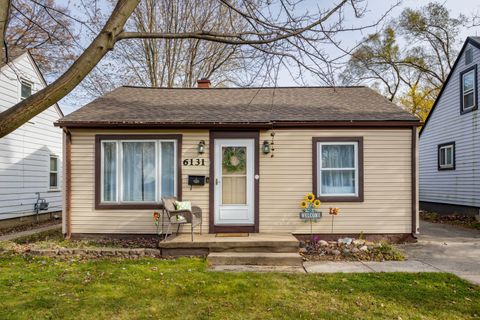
point(183, 205)
point(178, 219)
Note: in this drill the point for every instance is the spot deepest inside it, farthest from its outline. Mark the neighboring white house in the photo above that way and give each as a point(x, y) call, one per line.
point(450, 140)
point(31, 156)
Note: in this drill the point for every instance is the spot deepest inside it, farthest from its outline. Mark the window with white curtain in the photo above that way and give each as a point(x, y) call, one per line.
point(337, 168)
point(137, 171)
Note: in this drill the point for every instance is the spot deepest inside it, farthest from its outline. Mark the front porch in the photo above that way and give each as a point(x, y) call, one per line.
point(253, 248)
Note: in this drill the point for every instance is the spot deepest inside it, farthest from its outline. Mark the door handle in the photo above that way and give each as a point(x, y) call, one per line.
point(216, 181)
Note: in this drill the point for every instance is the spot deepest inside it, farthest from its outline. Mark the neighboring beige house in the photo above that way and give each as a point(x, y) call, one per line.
point(260, 151)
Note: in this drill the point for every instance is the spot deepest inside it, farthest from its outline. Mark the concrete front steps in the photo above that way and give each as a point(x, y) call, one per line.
point(256, 249)
point(255, 258)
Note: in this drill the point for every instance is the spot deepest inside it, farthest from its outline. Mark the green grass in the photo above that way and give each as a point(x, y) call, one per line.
point(46, 288)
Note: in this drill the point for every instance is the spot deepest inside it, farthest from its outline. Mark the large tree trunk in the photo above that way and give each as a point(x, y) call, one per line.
point(4, 12)
point(15, 116)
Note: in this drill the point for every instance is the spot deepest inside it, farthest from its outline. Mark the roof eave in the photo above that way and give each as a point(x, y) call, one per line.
point(250, 125)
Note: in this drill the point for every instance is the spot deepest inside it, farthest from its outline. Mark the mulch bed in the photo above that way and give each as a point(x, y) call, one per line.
point(29, 226)
point(52, 243)
point(150, 242)
point(54, 238)
point(349, 249)
point(453, 219)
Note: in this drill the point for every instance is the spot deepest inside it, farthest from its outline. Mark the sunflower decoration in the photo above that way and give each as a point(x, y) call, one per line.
point(310, 197)
point(309, 210)
point(304, 204)
point(309, 203)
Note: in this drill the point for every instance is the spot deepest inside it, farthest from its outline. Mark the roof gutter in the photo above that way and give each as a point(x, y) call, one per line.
point(236, 125)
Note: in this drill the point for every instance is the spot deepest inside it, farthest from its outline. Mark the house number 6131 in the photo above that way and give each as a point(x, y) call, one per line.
point(194, 162)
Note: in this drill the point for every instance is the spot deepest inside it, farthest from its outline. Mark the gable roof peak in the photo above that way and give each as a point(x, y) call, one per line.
point(473, 40)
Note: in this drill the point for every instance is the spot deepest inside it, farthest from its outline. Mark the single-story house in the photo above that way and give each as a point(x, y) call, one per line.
point(245, 156)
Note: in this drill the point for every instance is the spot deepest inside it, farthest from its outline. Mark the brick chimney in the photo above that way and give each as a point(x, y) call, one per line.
point(203, 83)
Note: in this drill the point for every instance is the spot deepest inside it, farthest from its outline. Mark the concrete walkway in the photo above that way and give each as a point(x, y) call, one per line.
point(335, 267)
point(448, 249)
point(370, 266)
point(440, 248)
point(16, 235)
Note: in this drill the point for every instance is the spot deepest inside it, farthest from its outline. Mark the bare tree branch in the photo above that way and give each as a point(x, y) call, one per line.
point(271, 29)
point(20, 113)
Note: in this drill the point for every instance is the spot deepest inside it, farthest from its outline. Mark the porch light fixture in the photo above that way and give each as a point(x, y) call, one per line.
point(266, 147)
point(201, 147)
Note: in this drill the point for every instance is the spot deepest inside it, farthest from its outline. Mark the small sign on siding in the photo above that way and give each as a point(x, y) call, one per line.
point(311, 215)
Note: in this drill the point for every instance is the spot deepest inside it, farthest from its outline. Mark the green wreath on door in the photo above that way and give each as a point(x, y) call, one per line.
point(234, 159)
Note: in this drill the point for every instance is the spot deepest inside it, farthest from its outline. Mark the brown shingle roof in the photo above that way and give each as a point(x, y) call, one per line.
point(138, 106)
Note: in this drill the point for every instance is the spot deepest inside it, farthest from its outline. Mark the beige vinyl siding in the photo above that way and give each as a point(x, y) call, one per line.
point(284, 180)
point(286, 177)
point(85, 219)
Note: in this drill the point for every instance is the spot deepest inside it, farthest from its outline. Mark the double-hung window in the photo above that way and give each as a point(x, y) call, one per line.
point(468, 89)
point(137, 171)
point(338, 169)
point(53, 179)
point(446, 156)
point(468, 55)
point(25, 89)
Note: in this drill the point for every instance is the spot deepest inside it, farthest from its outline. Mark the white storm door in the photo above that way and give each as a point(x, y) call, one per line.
point(234, 182)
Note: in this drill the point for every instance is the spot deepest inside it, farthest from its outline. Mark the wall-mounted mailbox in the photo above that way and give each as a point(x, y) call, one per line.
point(196, 180)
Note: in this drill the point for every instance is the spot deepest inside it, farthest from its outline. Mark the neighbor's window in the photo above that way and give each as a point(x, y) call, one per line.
point(337, 168)
point(469, 88)
point(446, 156)
point(53, 172)
point(25, 89)
point(138, 170)
point(468, 56)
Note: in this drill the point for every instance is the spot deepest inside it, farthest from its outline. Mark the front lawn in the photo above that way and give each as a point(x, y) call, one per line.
point(39, 288)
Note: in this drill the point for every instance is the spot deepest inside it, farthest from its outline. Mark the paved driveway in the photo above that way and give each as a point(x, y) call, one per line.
point(448, 248)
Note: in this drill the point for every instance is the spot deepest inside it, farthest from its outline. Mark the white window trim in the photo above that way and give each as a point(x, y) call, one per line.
point(26, 81)
point(320, 168)
point(119, 171)
point(446, 165)
point(50, 172)
point(473, 90)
